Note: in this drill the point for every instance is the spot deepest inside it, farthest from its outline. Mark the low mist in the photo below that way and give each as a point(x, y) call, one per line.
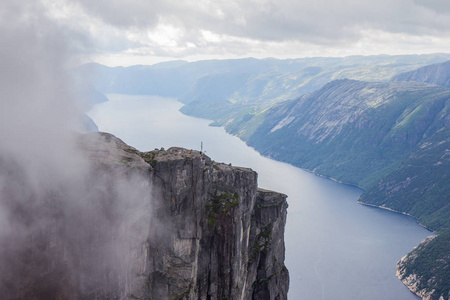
point(70, 228)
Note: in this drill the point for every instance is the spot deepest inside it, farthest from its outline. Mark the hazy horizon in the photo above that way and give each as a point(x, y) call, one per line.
point(136, 32)
point(264, 58)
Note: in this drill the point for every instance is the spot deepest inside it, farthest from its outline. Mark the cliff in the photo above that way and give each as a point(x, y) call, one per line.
point(156, 225)
point(214, 234)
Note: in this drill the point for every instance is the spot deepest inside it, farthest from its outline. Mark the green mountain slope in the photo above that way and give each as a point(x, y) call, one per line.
point(356, 132)
point(230, 94)
point(421, 185)
point(392, 139)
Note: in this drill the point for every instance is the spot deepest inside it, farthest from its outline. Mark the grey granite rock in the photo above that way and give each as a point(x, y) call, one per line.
point(164, 224)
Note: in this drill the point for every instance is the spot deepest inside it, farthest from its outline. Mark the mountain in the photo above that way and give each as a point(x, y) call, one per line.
point(164, 224)
point(229, 96)
point(247, 81)
point(420, 187)
point(353, 131)
point(390, 138)
point(438, 74)
point(231, 91)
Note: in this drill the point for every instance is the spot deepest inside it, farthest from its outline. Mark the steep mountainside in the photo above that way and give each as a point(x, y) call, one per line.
point(156, 225)
point(354, 131)
point(438, 74)
point(229, 96)
point(390, 138)
point(421, 185)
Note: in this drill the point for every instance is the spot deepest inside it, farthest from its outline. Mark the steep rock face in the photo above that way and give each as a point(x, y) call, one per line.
point(213, 234)
point(132, 225)
point(271, 278)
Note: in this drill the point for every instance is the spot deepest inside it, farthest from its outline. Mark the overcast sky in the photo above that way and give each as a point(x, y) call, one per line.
point(124, 32)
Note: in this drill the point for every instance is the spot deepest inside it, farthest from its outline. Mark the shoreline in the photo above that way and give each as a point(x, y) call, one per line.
point(398, 212)
point(349, 186)
point(330, 178)
point(410, 281)
point(433, 233)
point(334, 180)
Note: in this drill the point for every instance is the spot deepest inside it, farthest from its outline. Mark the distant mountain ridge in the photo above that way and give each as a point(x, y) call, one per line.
point(250, 80)
point(438, 74)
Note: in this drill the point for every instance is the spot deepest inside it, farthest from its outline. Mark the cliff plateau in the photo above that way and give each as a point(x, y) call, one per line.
point(164, 224)
point(214, 234)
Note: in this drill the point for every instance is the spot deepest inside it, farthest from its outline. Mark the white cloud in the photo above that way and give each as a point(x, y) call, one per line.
point(194, 29)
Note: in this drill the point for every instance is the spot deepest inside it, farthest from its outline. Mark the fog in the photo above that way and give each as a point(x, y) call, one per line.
point(65, 223)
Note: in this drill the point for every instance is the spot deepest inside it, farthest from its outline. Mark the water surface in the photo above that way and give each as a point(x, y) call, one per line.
point(335, 248)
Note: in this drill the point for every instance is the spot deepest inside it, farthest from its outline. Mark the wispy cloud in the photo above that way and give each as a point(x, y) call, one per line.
point(63, 222)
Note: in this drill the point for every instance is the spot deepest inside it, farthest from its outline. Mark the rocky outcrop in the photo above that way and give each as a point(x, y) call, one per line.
point(411, 280)
point(425, 269)
point(129, 225)
point(214, 235)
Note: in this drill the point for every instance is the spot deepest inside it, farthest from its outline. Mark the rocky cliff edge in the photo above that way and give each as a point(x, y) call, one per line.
point(213, 234)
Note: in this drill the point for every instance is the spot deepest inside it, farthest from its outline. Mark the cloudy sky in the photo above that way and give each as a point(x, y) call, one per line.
point(124, 32)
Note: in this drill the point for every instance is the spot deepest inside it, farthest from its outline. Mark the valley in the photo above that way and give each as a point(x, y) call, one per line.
point(389, 137)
